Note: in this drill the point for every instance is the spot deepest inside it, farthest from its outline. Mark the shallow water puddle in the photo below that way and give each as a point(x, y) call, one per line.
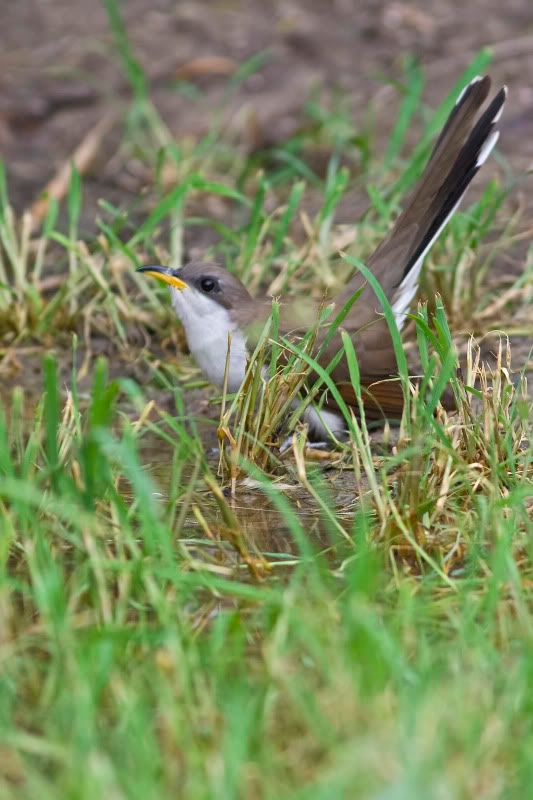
point(263, 529)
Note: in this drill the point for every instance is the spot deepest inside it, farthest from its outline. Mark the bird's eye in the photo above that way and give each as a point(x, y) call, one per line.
point(208, 284)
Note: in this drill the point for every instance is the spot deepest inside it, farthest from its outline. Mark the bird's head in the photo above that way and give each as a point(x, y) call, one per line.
point(201, 290)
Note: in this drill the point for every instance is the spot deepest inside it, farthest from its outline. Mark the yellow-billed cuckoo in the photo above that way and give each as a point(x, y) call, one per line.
point(212, 303)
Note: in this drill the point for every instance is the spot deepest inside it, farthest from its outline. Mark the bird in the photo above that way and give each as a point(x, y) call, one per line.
point(218, 312)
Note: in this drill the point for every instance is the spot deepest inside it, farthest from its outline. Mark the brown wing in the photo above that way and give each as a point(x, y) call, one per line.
point(381, 399)
point(382, 395)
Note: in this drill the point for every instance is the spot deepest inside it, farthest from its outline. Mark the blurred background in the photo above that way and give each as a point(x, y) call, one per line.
point(61, 73)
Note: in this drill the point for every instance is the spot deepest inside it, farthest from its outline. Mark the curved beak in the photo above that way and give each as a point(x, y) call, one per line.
point(164, 274)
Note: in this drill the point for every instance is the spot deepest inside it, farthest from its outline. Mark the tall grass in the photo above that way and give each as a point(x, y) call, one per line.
point(140, 659)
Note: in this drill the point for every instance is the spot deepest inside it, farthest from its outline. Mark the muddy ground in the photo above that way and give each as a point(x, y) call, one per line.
point(60, 73)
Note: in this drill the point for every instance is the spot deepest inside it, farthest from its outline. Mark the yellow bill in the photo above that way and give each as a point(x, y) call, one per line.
point(164, 274)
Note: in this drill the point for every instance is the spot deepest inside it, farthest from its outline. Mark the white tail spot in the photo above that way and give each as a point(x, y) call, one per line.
point(486, 150)
point(468, 85)
point(408, 287)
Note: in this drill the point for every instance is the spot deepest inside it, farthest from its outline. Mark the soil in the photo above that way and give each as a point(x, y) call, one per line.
point(60, 71)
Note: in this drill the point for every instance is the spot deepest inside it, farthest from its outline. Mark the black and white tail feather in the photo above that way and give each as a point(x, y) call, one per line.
point(471, 157)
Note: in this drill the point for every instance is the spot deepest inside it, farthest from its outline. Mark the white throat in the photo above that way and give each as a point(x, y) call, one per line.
point(207, 328)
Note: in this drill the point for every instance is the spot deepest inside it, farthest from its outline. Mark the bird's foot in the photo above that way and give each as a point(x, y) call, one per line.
point(322, 445)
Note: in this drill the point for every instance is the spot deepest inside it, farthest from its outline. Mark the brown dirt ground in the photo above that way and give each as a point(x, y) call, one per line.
point(59, 71)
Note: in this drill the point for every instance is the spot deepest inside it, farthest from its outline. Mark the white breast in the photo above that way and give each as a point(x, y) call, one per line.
point(207, 328)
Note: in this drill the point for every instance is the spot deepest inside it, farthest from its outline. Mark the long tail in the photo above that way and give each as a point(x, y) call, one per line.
point(470, 159)
point(460, 151)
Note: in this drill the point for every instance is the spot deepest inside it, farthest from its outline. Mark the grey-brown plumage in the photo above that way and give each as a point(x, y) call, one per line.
point(459, 152)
